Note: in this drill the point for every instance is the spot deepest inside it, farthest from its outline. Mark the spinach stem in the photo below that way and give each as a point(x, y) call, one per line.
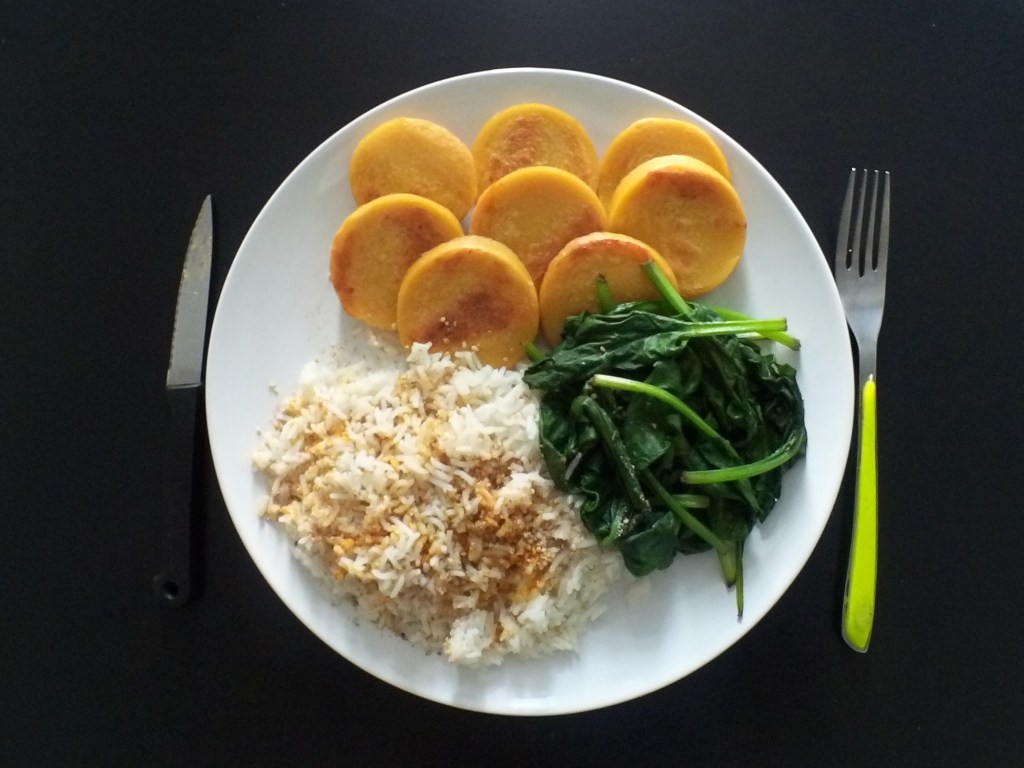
point(683, 514)
point(698, 330)
point(629, 385)
point(730, 327)
point(731, 562)
point(604, 295)
point(789, 448)
point(727, 560)
point(780, 337)
point(615, 449)
point(739, 580)
point(533, 352)
point(692, 500)
point(668, 293)
point(640, 387)
point(682, 307)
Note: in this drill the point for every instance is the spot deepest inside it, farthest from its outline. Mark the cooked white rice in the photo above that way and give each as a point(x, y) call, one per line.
point(417, 488)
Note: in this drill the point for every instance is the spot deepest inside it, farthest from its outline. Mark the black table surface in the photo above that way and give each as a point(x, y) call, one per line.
point(117, 119)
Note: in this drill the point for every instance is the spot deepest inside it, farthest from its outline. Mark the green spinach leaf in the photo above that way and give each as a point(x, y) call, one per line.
point(650, 403)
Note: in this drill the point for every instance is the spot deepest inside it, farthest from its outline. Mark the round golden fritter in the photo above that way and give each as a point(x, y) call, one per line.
point(570, 285)
point(533, 134)
point(689, 213)
point(655, 137)
point(470, 293)
point(535, 211)
point(376, 245)
point(417, 156)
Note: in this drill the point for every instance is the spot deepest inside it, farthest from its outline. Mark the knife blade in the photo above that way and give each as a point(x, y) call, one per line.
point(173, 584)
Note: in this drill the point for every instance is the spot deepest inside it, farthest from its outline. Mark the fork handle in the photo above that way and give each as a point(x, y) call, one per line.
point(859, 600)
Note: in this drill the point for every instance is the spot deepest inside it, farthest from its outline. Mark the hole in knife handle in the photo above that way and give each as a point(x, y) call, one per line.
point(170, 591)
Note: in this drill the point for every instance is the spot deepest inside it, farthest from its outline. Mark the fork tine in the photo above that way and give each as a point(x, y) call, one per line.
point(842, 261)
point(856, 260)
point(883, 231)
point(869, 246)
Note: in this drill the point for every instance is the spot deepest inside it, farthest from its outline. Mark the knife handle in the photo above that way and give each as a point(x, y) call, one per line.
point(173, 584)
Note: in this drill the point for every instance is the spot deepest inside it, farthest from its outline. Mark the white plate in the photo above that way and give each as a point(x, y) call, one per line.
point(277, 311)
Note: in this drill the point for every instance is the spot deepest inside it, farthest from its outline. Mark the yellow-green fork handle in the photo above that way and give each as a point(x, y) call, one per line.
point(859, 601)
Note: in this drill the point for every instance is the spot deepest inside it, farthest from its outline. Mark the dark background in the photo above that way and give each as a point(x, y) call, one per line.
point(117, 119)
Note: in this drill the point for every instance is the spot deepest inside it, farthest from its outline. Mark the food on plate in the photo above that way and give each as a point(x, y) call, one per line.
point(672, 427)
point(375, 246)
point(469, 293)
point(533, 134)
point(570, 284)
point(655, 137)
point(417, 490)
point(689, 213)
point(408, 154)
point(477, 507)
point(535, 211)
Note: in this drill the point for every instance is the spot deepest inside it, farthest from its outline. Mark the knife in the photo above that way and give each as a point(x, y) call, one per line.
point(173, 584)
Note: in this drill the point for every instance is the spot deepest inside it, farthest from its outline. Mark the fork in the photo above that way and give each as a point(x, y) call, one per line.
point(860, 278)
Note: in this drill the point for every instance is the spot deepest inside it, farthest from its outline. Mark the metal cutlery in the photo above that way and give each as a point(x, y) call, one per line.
point(173, 585)
point(862, 251)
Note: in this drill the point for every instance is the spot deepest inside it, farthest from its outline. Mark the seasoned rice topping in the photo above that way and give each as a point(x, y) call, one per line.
point(421, 492)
